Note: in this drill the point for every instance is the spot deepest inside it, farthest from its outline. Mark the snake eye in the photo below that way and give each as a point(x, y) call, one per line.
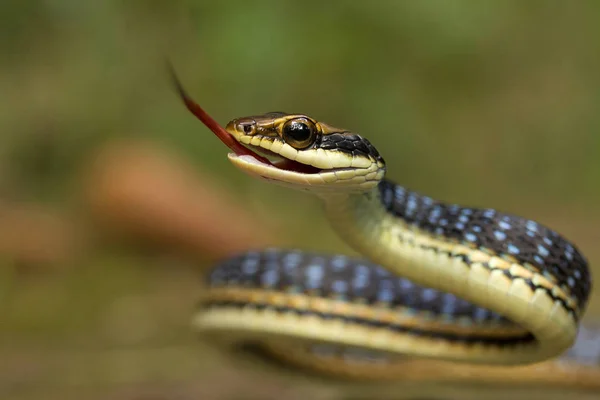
point(299, 133)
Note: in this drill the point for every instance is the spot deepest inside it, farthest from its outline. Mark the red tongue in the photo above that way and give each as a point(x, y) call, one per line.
point(210, 123)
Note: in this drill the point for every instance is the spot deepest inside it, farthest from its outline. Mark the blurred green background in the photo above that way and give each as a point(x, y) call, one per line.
point(491, 103)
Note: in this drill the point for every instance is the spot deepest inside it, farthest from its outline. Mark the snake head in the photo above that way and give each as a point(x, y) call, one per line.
point(295, 150)
point(304, 153)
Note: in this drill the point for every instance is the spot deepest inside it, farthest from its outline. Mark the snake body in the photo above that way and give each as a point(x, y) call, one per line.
point(438, 282)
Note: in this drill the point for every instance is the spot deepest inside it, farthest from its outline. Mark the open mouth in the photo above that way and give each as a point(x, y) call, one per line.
point(277, 161)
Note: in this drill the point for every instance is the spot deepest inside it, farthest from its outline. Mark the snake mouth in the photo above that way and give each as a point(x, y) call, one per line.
point(275, 160)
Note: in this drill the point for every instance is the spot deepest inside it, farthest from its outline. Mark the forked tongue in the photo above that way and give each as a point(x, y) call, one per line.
point(211, 124)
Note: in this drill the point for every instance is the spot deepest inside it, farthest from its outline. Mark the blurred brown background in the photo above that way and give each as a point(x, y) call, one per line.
point(114, 199)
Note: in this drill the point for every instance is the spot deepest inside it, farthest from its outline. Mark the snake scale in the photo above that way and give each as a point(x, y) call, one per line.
point(443, 291)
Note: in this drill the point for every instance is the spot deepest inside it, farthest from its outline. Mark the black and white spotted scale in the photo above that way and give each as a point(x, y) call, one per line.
point(344, 278)
point(504, 234)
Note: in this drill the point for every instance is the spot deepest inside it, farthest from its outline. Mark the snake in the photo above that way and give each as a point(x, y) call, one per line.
point(438, 291)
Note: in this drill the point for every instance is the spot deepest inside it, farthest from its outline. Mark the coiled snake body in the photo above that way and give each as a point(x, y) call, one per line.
point(440, 282)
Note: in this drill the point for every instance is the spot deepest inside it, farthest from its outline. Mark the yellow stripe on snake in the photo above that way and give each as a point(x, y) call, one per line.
point(445, 292)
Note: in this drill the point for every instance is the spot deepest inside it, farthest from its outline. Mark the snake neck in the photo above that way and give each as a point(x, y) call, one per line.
point(386, 223)
point(364, 222)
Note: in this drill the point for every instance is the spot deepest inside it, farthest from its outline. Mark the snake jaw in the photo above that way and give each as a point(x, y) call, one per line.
point(320, 183)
